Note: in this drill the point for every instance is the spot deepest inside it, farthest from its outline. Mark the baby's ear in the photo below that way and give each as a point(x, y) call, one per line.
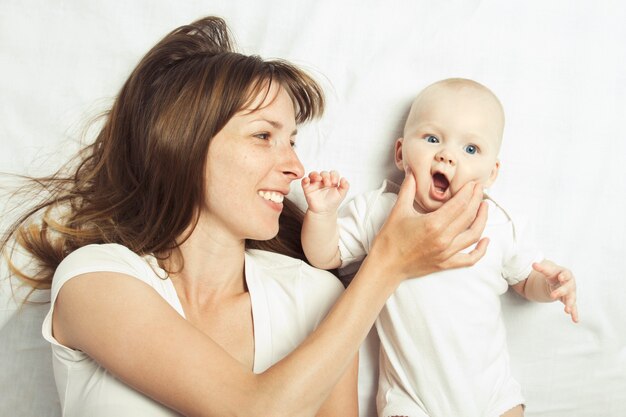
point(493, 175)
point(398, 154)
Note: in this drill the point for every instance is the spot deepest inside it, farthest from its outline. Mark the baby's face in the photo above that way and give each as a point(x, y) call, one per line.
point(452, 137)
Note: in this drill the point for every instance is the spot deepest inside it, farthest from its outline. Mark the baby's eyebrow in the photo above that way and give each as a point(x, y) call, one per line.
point(476, 137)
point(430, 127)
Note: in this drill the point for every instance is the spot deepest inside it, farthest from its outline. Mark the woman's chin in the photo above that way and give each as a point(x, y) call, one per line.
point(267, 234)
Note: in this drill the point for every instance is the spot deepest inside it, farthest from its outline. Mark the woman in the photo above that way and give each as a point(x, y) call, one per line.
point(159, 303)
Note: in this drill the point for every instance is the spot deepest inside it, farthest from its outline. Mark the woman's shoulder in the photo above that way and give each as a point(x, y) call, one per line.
point(105, 249)
point(109, 257)
point(92, 258)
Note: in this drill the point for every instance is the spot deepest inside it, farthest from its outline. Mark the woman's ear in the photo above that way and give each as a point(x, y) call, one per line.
point(398, 154)
point(494, 174)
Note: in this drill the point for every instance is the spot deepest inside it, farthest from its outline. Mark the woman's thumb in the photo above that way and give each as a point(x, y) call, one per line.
point(406, 195)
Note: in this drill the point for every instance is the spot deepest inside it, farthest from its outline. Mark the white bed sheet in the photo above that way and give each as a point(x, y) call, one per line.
point(559, 68)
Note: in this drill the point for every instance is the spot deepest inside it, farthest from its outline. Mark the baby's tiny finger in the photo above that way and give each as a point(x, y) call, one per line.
point(559, 292)
point(565, 275)
point(571, 311)
point(315, 176)
point(325, 178)
point(547, 268)
point(538, 267)
point(574, 314)
point(568, 288)
point(343, 183)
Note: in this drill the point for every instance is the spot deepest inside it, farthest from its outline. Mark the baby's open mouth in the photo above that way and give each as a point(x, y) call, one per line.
point(440, 182)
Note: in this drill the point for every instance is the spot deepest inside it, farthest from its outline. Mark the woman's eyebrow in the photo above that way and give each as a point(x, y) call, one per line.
point(276, 125)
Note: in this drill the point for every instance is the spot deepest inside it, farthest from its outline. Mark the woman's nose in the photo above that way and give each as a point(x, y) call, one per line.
point(291, 165)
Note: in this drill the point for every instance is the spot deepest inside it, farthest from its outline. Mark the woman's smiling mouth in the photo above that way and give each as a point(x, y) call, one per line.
point(274, 196)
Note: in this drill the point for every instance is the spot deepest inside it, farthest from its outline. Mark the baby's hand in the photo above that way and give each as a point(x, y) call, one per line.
point(324, 191)
point(562, 285)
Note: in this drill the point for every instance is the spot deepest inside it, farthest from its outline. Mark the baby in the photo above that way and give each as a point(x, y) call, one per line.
point(443, 346)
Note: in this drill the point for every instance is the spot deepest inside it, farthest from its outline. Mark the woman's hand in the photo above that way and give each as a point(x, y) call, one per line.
point(412, 244)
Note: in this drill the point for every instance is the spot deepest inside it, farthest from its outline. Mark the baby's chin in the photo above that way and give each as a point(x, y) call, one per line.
point(426, 205)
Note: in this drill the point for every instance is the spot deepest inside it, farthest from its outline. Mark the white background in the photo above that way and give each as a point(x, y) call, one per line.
point(559, 68)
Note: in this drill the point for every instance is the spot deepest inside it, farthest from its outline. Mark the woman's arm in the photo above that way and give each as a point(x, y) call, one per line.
point(344, 398)
point(126, 326)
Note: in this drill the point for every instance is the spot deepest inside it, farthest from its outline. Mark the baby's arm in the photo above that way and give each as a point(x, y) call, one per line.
point(324, 192)
point(549, 282)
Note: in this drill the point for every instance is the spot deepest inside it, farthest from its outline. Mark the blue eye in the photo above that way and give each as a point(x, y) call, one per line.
point(471, 149)
point(431, 139)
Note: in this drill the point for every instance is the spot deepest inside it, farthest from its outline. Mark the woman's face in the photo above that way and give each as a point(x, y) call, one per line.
point(251, 163)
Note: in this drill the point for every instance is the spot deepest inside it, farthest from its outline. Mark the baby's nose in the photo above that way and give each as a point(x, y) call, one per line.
point(445, 157)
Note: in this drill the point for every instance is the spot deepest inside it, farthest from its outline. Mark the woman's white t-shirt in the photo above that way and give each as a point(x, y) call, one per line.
point(288, 297)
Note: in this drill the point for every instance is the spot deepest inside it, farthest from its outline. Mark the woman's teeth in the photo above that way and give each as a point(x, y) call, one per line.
point(272, 196)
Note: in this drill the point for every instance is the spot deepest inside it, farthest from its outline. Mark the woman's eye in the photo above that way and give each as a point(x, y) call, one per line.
point(292, 143)
point(264, 136)
point(471, 149)
point(431, 139)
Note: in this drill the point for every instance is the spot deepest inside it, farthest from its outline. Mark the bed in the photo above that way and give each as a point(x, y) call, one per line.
point(559, 68)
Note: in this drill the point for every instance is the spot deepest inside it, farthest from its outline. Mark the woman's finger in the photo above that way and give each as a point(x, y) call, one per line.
point(461, 260)
point(470, 236)
point(406, 195)
point(459, 213)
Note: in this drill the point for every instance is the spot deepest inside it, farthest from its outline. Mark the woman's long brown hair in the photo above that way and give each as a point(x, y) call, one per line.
point(140, 183)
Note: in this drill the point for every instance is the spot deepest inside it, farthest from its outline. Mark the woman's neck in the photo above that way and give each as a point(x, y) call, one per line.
point(210, 265)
